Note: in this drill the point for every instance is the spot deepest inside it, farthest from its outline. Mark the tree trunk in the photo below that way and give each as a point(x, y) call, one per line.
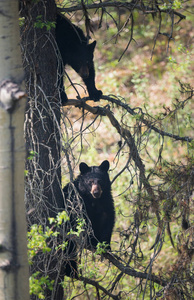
point(42, 126)
point(42, 130)
point(14, 275)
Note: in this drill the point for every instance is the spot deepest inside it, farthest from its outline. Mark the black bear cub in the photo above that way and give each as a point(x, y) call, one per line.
point(91, 193)
point(76, 52)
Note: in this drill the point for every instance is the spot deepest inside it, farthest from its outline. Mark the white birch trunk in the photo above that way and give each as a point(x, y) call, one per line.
point(14, 275)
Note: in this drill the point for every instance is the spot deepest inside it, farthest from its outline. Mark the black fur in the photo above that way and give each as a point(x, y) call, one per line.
point(76, 52)
point(94, 203)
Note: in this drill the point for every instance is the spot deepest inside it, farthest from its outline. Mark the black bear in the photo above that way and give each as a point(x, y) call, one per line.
point(89, 195)
point(76, 52)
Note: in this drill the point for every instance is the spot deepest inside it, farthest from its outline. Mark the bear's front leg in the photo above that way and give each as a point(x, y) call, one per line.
point(94, 94)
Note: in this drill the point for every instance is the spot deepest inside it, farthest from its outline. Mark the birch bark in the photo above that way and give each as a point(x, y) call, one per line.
point(14, 274)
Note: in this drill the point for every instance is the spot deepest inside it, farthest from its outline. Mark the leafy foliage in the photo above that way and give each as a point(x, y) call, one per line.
point(38, 284)
point(40, 24)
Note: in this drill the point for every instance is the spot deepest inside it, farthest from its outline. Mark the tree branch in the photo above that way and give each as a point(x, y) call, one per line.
point(146, 122)
point(125, 269)
point(129, 271)
point(99, 110)
point(127, 5)
point(98, 286)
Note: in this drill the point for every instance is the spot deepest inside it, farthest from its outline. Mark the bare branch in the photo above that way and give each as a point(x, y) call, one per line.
point(127, 5)
point(149, 124)
point(132, 272)
point(98, 286)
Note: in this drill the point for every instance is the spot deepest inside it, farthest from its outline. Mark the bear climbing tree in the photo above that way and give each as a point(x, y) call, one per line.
point(89, 197)
point(76, 52)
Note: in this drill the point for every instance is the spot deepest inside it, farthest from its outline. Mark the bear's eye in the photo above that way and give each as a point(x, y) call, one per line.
point(90, 181)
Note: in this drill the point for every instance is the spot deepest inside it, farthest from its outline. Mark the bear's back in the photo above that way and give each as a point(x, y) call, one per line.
point(71, 33)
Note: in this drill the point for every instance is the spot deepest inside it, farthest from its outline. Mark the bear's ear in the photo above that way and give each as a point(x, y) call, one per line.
point(104, 166)
point(83, 167)
point(92, 46)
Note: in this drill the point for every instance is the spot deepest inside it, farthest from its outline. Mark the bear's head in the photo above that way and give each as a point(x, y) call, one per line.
point(94, 180)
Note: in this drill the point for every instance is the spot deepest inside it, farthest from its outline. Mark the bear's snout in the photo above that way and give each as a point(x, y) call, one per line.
point(96, 191)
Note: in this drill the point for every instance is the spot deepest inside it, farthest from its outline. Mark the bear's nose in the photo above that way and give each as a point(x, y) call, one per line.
point(96, 194)
point(96, 191)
